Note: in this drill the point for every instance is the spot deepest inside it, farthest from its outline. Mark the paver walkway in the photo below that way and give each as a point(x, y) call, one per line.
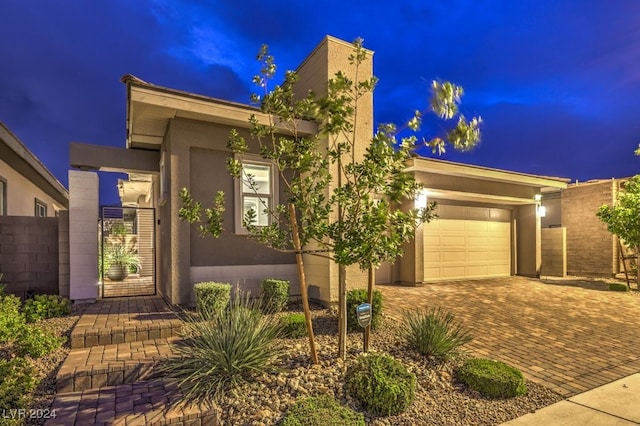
point(566, 337)
point(109, 376)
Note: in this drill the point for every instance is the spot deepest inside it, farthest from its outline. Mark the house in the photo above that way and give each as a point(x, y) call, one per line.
point(33, 249)
point(27, 187)
point(489, 224)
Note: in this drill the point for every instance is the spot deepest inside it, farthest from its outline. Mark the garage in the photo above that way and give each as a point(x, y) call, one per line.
point(467, 242)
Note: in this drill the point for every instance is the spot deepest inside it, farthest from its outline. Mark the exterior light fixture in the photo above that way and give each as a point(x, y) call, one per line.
point(421, 199)
point(541, 210)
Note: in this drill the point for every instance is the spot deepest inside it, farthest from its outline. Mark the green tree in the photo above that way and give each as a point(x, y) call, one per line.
point(353, 215)
point(623, 218)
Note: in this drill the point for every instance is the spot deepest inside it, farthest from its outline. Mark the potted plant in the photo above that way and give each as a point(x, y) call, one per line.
point(119, 259)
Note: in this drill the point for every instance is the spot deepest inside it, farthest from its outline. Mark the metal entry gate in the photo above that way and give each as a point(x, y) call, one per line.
point(127, 252)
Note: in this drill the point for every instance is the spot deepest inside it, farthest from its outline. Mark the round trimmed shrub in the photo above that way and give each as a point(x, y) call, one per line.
point(493, 379)
point(358, 296)
point(211, 298)
point(618, 287)
point(294, 325)
point(275, 294)
point(381, 384)
point(321, 411)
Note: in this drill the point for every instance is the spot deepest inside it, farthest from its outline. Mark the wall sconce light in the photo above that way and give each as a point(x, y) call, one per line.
point(421, 199)
point(541, 210)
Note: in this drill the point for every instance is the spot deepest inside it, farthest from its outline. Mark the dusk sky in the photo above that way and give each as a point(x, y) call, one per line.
point(556, 82)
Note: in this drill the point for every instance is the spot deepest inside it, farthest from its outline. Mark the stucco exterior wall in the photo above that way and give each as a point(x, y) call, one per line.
point(21, 194)
point(529, 250)
point(329, 57)
point(83, 235)
point(591, 249)
point(554, 252)
point(196, 159)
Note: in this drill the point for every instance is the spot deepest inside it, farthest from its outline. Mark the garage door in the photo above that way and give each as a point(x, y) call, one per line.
point(476, 244)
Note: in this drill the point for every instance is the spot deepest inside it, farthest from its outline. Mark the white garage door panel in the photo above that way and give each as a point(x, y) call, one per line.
point(462, 248)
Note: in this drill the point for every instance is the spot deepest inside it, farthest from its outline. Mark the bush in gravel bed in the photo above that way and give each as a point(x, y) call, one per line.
point(275, 294)
point(211, 298)
point(618, 287)
point(36, 342)
point(11, 319)
point(434, 332)
point(293, 325)
point(381, 384)
point(493, 379)
point(44, 306)
point(358, 296)
point(224, 352)
point(321, 411)
point(16, 383)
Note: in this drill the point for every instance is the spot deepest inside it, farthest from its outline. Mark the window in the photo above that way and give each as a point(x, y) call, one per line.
point(41, 209)
point(259, 198)
point(3, 197)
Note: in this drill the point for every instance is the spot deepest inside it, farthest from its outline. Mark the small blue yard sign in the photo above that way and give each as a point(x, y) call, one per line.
point(363, 313)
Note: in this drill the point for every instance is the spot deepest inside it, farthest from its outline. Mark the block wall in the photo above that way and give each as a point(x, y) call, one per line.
point(591, 249)
point(29, 254)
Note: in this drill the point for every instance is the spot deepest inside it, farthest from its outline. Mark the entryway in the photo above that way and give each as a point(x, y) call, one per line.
point(127, 253)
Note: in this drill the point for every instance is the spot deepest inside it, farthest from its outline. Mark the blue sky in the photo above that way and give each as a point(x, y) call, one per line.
point(556, 82)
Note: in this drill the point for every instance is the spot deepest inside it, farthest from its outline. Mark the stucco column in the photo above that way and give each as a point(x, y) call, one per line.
point(529, 241)
point(83, 235)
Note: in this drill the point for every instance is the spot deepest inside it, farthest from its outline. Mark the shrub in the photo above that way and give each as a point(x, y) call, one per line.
point(493, 379)
point(381, 384)
point(321, 411)
point(434, 332)
point(211, 298)
point(44, 306)
point(11, 319)
point(36, 342)
point(618, 287)
point(275, 294)
point(223, 352)
point(357, 297)
point(16, 384)
point(294, 325)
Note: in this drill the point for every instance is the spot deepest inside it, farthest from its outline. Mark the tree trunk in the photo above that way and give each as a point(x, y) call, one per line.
point(637, 268)
point(342, 312)
point(370, 287)
point(303, 283)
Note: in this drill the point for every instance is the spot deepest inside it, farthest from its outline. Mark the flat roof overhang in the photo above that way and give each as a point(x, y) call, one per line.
point(151, 107)
point(536, 183)
point(450, 168)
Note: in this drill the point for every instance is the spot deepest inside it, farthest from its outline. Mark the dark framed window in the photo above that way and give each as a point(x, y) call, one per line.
point(40, 208)
point(3, 196)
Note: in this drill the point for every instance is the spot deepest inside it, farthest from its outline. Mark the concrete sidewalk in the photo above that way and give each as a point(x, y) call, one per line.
point(616, 403)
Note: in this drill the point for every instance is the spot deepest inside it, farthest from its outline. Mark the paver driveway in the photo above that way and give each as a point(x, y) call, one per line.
point(568, 338)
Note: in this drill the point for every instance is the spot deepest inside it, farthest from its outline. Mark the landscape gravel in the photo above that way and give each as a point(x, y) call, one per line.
point(440, 400)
